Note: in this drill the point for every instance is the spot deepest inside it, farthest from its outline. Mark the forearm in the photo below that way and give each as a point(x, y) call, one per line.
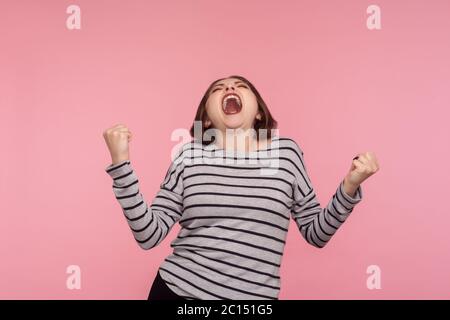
point(146, 225)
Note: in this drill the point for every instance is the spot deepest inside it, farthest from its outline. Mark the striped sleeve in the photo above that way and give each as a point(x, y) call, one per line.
point(149, 224)
point(316, 224)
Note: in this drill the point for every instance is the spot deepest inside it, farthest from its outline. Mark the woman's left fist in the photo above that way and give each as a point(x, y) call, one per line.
point(363, 166)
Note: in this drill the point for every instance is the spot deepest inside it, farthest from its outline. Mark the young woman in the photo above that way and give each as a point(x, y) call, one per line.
point(234, 216)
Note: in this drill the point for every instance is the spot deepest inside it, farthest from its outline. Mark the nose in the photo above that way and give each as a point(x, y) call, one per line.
point(229, 86)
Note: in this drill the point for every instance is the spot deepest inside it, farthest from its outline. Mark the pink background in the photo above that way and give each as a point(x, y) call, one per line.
point(335, 87)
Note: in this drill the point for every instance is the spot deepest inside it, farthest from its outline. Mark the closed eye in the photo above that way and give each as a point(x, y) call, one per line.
point(239, 86)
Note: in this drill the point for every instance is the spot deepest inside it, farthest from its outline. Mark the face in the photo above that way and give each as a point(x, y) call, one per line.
point(240, 112)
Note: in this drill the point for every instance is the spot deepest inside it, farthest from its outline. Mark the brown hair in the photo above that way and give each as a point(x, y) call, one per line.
point(266, 122)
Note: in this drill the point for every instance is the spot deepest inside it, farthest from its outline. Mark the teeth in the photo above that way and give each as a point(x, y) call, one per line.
point(231, 96)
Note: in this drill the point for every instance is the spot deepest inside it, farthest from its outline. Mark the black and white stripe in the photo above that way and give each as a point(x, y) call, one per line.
point(233, 219)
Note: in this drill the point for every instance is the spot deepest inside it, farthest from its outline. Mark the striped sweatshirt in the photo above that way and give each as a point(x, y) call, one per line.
point(234, 210)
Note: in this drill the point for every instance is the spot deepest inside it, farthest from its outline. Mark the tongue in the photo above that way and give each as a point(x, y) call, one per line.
point(232, 106)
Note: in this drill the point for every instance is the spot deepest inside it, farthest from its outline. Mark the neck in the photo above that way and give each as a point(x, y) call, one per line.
point(237, 140)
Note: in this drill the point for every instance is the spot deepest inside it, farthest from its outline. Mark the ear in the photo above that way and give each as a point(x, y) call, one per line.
point(258, 116)
point(207, 123)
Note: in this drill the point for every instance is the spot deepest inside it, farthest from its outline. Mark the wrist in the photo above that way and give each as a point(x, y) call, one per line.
point(116, 160)
point(350, 188)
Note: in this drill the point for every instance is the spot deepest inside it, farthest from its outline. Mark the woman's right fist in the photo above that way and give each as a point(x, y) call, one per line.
point(117, 139)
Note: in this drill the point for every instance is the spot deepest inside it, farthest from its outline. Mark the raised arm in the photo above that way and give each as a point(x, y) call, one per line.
point(316, 224)
point(149, 224)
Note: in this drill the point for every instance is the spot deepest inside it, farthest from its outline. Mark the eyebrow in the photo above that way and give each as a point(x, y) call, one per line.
point(221, 84)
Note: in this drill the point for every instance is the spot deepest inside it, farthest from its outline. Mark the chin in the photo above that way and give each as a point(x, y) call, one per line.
point(233, 124)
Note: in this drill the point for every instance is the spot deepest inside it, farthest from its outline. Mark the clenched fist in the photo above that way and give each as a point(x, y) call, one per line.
point(117, 139)
point(363, 166)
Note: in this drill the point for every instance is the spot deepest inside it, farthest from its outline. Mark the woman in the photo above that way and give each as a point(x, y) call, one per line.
point(232, 189)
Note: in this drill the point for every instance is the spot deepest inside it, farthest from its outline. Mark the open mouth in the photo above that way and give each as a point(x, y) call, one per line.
point(231, 104)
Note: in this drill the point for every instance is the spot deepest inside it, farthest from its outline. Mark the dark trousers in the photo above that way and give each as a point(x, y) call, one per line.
point(160, 290)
